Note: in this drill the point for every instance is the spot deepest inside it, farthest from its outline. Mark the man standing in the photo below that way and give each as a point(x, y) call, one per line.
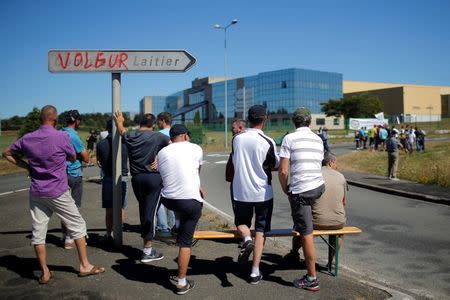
point(393, 145)
point(302, 153)
point(105, 162)
point(328, 212)
point(47, 150)
point(164, 121)
point(74, 170)
point(143, 146)
point(179, 165)
point(238, 126)
point(254, 157)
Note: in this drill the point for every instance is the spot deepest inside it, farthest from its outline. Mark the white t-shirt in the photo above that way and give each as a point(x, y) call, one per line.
point(179, 164)
point(254, 156)
point(304, 149)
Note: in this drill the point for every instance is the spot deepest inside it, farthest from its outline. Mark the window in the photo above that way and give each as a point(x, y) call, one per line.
point(336, 121)
point(320, 121)
point(283, 84)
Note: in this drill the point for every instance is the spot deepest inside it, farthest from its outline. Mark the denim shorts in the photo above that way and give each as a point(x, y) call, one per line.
point(301, 209)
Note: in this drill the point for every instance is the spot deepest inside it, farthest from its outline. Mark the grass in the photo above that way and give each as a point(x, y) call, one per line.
point(430, 167)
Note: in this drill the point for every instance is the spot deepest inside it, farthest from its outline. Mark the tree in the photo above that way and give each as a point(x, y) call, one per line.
point(362, 105)
point(31, 122)
point(197, 120)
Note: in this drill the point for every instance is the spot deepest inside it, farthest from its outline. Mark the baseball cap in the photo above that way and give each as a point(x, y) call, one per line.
point(73, 115)
point(301, 114)
point(257, 111)
point(178, 129)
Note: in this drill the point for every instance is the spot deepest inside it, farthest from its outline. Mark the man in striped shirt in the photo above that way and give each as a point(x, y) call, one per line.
point(302, 153)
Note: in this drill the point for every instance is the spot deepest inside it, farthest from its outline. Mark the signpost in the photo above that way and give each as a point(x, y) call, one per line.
point(116, 62)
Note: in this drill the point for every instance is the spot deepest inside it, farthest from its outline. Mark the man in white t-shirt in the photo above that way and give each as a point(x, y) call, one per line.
point(179, 165)
point(254, 157)
point(302, 153)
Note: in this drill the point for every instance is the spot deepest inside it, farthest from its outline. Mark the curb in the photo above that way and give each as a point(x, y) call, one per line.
point(418, 196)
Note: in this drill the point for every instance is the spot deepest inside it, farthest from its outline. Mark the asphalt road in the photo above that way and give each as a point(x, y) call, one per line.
point(403, 245)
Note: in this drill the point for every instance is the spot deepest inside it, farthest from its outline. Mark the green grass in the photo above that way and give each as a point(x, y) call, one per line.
point(430, 167)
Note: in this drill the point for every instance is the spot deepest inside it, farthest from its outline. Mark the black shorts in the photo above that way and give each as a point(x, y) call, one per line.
point(301, 209)
point(243, 214)
point(189, 211)
point(107, 196)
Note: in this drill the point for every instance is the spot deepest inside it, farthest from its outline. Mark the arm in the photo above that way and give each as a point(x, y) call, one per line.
point(118, 117)
point(84, 156)
point(283, 174)
point(14, 159)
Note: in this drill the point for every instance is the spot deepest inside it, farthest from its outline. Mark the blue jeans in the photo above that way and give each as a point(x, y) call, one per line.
point(165, 221)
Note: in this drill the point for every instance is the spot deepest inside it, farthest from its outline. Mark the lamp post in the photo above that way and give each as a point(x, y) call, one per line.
point(217, 26)
point(430, 108)
point(418, 109)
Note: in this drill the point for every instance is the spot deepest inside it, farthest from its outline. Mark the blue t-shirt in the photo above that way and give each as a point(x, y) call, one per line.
point(165, 131)
point(74, 168)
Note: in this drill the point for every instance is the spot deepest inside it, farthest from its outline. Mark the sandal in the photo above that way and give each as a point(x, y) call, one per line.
point(94, 271)
point(42, 281)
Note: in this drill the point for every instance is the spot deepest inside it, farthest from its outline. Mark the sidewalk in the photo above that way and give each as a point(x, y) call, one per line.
point(405, 188)
point(213, 266)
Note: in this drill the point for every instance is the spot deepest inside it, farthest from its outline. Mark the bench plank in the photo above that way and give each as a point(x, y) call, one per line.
point(231, 234)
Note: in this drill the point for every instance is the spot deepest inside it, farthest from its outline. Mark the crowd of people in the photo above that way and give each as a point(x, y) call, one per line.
point(411, 138)
point(165, 178)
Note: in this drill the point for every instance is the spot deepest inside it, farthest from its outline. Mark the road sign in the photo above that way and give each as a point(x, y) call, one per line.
point(118, 61)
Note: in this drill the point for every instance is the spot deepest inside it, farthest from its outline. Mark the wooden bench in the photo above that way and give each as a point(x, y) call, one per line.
point(233, 234)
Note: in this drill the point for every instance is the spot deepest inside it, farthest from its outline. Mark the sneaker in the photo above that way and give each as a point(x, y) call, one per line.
point(395, 179)
point(256, 279)
point(304, 283)
point(190, 284)
point(164, 234)
point(154, 255)
point(245, 252)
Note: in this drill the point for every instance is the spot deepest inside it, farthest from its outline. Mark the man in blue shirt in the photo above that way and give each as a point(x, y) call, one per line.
point(74, 170)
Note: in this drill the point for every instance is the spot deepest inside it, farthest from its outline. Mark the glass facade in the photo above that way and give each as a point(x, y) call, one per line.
point(280, 91)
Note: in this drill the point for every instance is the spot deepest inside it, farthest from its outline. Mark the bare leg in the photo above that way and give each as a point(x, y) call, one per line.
point(148, 243)
point(85, 265)
point(310, 254)
point(243, 231)
point(41, 255)
point(258, 250)
point(184, 255)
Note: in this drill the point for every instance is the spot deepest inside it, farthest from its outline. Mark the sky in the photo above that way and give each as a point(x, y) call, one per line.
point(383, 41)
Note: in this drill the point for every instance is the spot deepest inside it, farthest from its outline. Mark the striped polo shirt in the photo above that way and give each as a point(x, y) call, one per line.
point(304, 149)
point(254, 157)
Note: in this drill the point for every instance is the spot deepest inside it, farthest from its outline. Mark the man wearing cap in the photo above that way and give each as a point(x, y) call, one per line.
point(254, 157)
point(179, 165)
point(143, 145)
point(302, 153)
point(392, 147)
point(47, 150)
point(74, 170)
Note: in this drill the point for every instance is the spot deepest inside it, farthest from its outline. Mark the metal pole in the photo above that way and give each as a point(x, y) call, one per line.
point(226, 92)
point(117, 164)
point(243, 98)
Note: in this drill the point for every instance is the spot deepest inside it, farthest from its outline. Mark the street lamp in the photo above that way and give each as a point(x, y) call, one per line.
point(217, 26)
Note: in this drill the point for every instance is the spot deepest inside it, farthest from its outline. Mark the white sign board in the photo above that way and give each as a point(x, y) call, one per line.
point(118, 61)
point(359, 123)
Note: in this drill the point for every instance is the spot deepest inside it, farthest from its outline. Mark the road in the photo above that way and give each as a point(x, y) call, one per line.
point(402, 246)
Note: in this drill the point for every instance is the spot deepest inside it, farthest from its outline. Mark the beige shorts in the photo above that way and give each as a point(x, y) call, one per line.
point(64, 207)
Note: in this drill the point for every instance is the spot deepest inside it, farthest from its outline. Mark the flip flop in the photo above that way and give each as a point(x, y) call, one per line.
point(94, 271)
point(42, 281)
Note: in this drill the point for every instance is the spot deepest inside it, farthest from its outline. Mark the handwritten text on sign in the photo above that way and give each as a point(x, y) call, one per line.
point(119, 61)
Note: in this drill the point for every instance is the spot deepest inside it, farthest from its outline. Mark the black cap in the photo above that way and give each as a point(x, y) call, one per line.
point(72, 116)
point(256, 112)
point(178, 129)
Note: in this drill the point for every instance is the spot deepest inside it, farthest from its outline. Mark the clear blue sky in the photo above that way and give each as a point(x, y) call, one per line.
point(383, 40)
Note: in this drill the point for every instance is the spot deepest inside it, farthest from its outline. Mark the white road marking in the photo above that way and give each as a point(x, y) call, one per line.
point(15, 191)
point(221, 162)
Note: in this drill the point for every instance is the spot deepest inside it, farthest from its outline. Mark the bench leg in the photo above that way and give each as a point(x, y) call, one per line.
point(333, 250)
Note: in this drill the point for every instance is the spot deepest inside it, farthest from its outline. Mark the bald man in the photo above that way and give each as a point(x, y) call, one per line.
point(47, 150)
